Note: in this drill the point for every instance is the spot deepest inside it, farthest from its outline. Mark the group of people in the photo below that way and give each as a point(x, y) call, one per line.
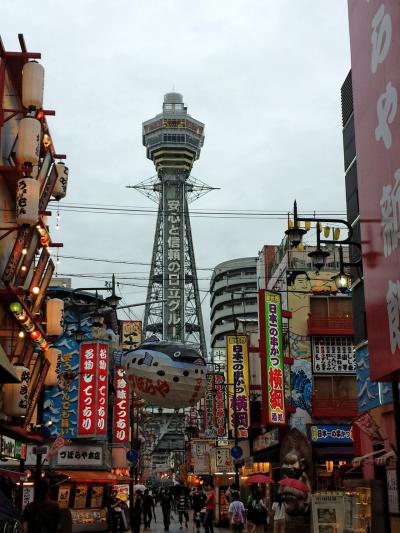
point(202, 504)
point(257, 515)
point(143, 507)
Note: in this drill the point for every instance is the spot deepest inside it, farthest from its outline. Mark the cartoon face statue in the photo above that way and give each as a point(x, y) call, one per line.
point(166, 374)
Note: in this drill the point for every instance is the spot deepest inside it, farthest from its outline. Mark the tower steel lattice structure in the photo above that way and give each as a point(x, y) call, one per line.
point(173, 141)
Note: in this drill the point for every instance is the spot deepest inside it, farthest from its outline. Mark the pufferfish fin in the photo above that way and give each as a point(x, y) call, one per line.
point(199, 362)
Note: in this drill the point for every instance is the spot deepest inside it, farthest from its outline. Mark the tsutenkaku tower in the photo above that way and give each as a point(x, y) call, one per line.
point(173, 140)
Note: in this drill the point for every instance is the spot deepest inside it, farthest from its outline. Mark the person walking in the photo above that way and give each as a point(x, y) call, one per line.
point(148, 509)
point(183, 508)
point(43, 514)
point(257, 513)
point(279, 514)
point(166, 509)
point(210, 509)
point(237, 514)
point(137, 510)
point(198, 502)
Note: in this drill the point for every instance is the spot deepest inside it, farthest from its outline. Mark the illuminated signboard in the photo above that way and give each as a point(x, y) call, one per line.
point(331, 434)
point(238, 382)
point(272, 362)
point(93, 390)
point(121, 409)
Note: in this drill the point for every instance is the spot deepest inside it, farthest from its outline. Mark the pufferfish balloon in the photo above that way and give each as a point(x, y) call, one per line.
point(166, 374)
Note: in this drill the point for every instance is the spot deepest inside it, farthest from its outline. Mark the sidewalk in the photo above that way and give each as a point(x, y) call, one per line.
point(158, 527)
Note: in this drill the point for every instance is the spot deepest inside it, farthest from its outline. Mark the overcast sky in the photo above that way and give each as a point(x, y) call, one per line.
point(264, 76)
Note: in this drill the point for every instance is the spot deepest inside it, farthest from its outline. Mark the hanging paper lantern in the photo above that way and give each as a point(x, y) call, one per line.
point(15, 395)
point(27, 201)
point(52, 355)
point(60, 187)
point(167, 374)
point(35, 335)
point(28, 146)
point(307, 225)
point(336, 234)
point(327, 230)
point(55, 317)
point(32, 85)
point(16, 307)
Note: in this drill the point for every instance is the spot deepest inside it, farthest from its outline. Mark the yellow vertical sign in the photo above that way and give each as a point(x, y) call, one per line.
point(238, 374)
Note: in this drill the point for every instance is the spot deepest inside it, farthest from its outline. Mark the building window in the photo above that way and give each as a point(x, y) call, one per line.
point(335, 387)
point(333, 355)
point(331, 307)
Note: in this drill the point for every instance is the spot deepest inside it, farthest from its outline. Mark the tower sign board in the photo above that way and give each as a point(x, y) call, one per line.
point(375, 45)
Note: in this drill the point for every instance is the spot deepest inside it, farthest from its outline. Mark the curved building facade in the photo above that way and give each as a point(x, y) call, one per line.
point(233, 294)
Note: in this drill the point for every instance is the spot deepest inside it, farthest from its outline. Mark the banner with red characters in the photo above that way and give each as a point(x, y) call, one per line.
point(121, 409)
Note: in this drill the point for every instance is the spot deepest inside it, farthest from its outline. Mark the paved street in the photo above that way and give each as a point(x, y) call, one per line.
point(158, 527)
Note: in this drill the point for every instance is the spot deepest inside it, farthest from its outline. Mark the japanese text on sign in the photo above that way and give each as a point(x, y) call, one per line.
point(87, 390)
point(238, 382)
point(375, 40)
point(173, 263)
point(102, 390)
point(274, 357)
point(121, 409)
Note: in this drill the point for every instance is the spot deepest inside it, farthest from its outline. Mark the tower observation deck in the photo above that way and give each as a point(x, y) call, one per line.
point(173, 141)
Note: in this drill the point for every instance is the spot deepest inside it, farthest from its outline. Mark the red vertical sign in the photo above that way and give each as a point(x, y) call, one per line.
point(87, 389)
point(121, 409)
point(375, 53)
point(102, 389)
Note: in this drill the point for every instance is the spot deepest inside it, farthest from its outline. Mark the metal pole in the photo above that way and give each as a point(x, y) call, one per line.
point(396, 416)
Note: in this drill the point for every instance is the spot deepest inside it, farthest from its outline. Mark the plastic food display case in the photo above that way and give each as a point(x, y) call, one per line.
point(88, 520)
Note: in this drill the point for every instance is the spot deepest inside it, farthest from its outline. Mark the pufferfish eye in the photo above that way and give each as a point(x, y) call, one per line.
point(177, 355)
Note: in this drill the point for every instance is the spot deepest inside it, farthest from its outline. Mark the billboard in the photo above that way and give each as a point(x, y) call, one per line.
point(270, 310)
point(375, 43)
point(238, 374)
point(121, 409)
point(214, 406)
point(328, 434)
point(93, 389)
point(131, 334)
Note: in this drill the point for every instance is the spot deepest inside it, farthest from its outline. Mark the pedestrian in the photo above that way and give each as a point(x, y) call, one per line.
point(198, 502)
point(251, 527)
point(229, 493)
point(237, 514)
point(148, 509)
point(279, 514)
point(257, 513)
point(183, 508)
point(166, 509)
point(137, 510)
point(210, 509)
point(115, 513)
point(43, 514)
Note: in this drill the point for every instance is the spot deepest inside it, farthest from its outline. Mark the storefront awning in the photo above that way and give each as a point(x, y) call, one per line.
point(7, 372)
point(93, 476)
point(12, 475)
point(333, 452)
point(21, 434)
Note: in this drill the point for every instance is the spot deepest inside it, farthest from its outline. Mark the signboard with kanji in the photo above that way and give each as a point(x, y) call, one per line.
point(238, 385)
point(121, 408)
point(214, 406)
point(270, 307)
point(131, 334)
point(93, 389)
point(375, 45)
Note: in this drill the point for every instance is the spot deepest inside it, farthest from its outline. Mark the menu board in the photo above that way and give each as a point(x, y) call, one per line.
point(80, 497)
point(97, 496)
point(63, 497)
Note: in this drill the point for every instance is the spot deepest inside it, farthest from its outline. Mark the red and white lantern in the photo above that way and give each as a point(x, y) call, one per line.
point(53, 356)
point(28, 145)
point(27, 201)
point(15, 395)
point(55, 317)
point(32, 85)
point(60, 187)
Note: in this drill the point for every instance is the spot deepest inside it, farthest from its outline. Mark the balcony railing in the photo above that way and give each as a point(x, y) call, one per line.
point(321, 325)
point(328, 407)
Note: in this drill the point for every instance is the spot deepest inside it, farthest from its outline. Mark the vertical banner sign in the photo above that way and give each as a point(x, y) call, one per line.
point(131, 334)
point(87, 389)
point(220, 418)
point(173, 258)
point(238, 374)
point(209, 408)
point(271, 342)
point(375, 45)
point(102, 389)
point(121, 410)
